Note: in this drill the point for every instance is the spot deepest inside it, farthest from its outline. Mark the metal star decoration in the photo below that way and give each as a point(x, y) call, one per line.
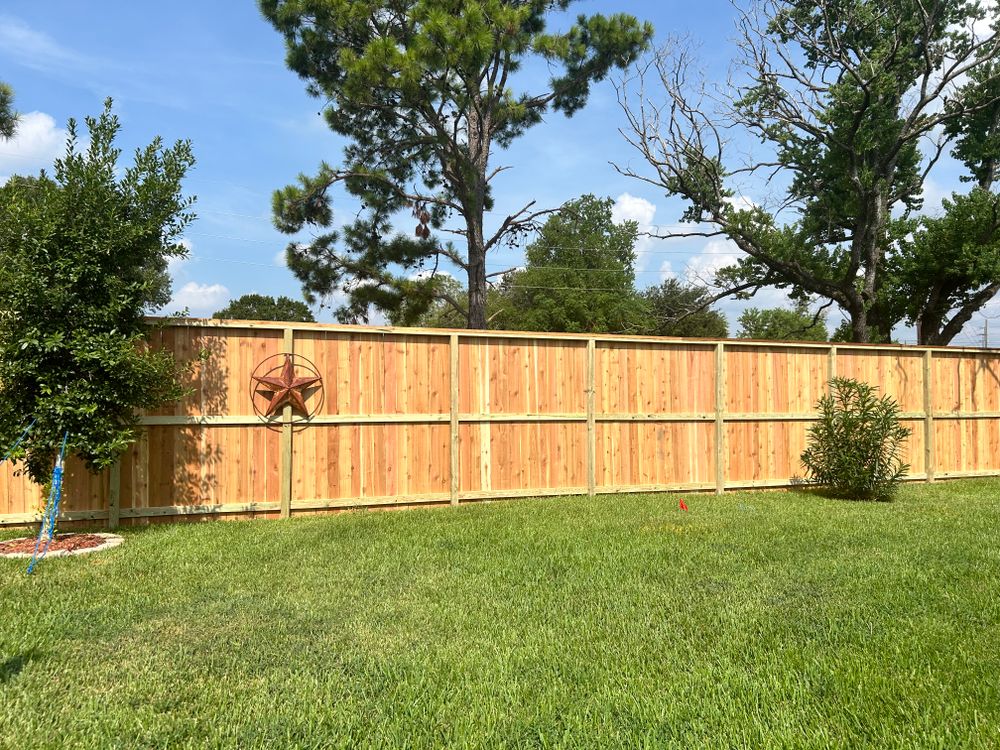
point(286, 389)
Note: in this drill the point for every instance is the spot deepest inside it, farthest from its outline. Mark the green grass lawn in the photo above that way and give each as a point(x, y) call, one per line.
point(754, 620)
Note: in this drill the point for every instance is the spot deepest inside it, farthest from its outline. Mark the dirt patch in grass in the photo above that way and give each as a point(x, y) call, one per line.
point(61, 543)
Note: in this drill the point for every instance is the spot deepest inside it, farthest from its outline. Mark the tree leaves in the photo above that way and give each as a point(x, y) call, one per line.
point(424, 91)
point(82, 256)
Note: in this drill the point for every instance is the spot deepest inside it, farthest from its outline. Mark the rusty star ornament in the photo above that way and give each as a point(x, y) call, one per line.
point(286, 389)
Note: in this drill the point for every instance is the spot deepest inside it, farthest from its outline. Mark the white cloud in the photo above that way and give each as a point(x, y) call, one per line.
point(279, 258)
point(176, 263)
point(20, 44)
point(714, 256)
point(933, 194)
point(200, 298)
point(628, 207)
point(37, 50)
point(35, 145)
point(740, 202)
point(984, 26)
point(667, 271)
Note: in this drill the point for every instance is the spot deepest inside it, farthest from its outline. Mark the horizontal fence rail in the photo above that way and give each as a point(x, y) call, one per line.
point(418, 416)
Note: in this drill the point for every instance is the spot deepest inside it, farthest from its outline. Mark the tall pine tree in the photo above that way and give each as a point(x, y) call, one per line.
point(424, 92)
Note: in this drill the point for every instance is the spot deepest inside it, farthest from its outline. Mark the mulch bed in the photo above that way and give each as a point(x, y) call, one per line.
point(62, 543)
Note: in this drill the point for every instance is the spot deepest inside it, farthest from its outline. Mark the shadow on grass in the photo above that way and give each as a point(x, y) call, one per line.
point(804, 488)
point(12, 667)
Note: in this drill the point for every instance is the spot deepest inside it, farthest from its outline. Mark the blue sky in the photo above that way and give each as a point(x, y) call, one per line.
point(214, 72)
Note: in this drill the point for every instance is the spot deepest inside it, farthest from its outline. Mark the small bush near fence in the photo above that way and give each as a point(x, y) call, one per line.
point(856, 446)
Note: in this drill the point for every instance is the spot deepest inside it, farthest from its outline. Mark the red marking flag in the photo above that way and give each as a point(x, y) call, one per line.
point(683, 504)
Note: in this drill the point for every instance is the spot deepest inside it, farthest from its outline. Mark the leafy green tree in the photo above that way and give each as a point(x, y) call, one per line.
point(425, 93)
point(841, 95)
point(678, 309)
point(75, 256)
point(950, 267)
point(442, 308)
point(263, 307)
point(579, 276)
point(781, 324)
point(975, 129)
point(8, 116)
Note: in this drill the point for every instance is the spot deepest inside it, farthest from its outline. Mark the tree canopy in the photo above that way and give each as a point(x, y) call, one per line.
point(681, 309)
point(425, 91)
point(263, 307)
point(579, 276)
point(847, 100)
point(783, 324)
point(78, 257)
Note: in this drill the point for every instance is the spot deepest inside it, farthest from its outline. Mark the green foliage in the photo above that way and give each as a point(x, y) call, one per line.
point(678, 309)
point(8, 115)
point(424, 91)
point(263, 307)
point(781, 324)
point(976, 131)
point(855, 449)
point(950, 266)
point(829, 90)
point(579, 276)
point(434, 302)
point(78, 254)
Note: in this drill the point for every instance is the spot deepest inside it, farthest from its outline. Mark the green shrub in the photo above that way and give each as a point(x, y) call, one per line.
point(855, 448)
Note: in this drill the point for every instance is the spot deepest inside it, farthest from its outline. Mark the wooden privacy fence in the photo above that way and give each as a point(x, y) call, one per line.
point(430, 416)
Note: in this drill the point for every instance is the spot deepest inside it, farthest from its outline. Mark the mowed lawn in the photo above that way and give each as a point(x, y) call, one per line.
point(776, 619)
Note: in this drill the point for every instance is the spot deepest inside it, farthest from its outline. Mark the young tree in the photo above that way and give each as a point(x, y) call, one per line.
point(781, 324)
point(75, 256)
point(678, 309)
point(841, 94)
point(424, 92)
point(950, 267)
point(262, 307)
point(8, 115)
point(579, 277)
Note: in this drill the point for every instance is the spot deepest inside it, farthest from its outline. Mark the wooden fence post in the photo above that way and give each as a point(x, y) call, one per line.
point(928, 418)
point(140, 472)
point(455, 469)
point(591, 426)
point(720, 427)
point(288, 347)
point(114, 494)
point(831, 367)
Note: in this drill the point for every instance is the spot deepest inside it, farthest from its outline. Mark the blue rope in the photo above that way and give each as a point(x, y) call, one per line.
point(51, 509)
point(17, 442)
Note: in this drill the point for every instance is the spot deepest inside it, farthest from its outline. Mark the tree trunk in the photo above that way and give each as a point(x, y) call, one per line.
point(475, 205)
point(859, 326)
point(935, 331)
point(477, 273)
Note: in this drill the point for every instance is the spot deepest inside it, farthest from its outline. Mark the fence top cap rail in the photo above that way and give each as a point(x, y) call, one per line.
point(371, 330)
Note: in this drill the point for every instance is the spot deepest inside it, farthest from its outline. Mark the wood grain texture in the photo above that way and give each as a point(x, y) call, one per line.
point(419, 416)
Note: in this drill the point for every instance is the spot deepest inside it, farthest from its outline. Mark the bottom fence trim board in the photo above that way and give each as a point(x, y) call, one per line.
point(535, 492)
point(197, 510)
point(15, 519)
point(965, 474)
point(640, 488)
point(363, 502)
